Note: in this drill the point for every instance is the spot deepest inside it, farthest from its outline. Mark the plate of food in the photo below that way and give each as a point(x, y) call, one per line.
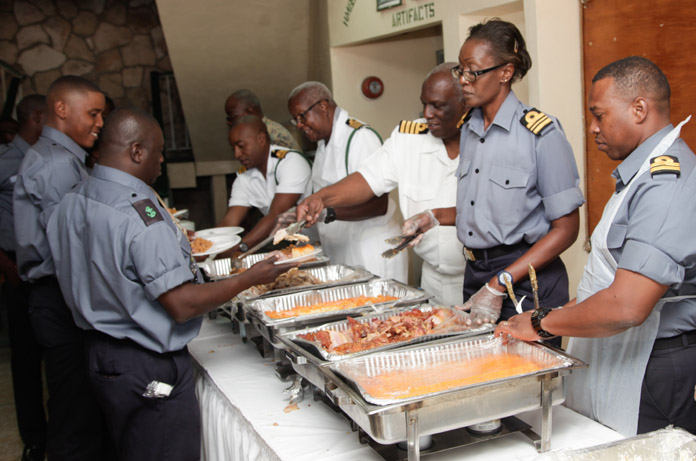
point(299, 254)
point(213, 231)
point(214, 244)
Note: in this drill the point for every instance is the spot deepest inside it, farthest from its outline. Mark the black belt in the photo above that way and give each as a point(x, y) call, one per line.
point(494, 252)
point(683, 340)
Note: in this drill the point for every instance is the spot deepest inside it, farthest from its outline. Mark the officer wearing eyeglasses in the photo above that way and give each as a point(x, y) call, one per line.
point(518, 187)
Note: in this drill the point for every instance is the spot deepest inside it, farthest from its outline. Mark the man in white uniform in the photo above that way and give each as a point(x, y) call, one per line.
point(634, 320)
point(343, 143)
point(420, 158)
point(272, 179)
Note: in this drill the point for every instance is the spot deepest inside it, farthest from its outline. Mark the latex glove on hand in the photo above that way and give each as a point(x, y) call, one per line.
point(485, 305)
point(284, 219)
point(421, 222)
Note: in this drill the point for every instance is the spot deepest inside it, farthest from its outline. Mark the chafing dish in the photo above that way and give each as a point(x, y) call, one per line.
point(306, 356)
point(390, 420)
point(269, 328)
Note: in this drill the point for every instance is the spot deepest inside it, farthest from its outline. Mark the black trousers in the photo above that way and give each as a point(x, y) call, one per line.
point(552, 281)
point(25, 363)
point(142, 426)
point(76, 427)
point(667, 394)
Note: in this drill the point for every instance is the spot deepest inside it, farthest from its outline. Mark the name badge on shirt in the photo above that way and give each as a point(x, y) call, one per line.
point(148, 211)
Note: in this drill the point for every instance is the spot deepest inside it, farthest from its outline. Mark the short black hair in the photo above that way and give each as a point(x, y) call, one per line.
point(507, 43)
point(637, 76)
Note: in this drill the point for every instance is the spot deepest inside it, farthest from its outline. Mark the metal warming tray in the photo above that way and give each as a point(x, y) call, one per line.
point(389, 420)
point(269, 328)
point(219, 269)
point(307, 356)
point(330, 276)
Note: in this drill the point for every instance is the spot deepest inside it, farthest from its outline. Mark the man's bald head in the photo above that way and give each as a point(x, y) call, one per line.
point(250, 140)
point(311, 90)
point(253, 123)
point(132, 141)
point(75, 106)
point(443, 72)
point(443, 104)
point(312, 108)
point(69, 84)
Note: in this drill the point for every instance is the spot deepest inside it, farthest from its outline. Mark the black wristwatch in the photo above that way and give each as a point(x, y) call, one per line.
point(537, 315)
point(243, 247)
point(330, 215)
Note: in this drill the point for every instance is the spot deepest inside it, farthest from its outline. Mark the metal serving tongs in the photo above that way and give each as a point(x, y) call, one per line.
point(404, 239)
point(291, 229)
point(511, 293)
point(535, 286)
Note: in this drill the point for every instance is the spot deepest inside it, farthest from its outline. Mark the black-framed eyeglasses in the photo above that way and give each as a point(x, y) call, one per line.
point(302, 117)
point(470, 75)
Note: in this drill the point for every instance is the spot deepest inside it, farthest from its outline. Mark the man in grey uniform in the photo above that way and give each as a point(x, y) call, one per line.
point(51, 167)
point(139, 302)
point(634, 320)
point(26, 350)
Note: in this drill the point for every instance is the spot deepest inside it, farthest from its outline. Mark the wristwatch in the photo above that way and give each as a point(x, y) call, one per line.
point(330, 215)
point(503, 276)
point(243, 247)
point(537, 315)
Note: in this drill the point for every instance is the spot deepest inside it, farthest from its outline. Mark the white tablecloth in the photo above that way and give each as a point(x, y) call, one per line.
point(243, 417)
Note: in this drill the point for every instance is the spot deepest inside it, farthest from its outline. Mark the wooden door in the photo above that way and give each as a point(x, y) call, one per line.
point(663, 31)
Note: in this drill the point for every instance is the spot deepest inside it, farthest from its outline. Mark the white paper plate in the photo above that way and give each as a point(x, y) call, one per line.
point(213, 231)
point(304, 257)
point(180, 212)
point(220, 244)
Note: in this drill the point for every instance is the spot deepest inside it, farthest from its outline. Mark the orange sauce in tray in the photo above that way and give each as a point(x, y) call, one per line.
point(341, 304)
point(402, 384)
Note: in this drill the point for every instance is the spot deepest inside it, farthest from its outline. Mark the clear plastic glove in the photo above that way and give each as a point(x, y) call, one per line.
point(421, 222)
point(284, 219)
point(485, 305)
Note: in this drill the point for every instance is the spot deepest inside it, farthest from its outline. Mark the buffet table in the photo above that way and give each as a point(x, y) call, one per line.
point(245, 416)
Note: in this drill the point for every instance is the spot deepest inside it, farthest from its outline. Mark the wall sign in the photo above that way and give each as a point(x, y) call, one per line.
point(384, 4)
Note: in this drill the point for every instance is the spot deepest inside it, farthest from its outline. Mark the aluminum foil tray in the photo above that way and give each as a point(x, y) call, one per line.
point(314, 347)
point(332, 275)
point(412, 374)
point(219, 269)
point(406, 296)
point(669, 444)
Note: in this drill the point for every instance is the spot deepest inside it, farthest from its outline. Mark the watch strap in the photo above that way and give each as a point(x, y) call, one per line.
point(537, 316)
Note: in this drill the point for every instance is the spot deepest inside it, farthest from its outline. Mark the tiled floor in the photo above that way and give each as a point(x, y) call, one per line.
point(10, 443)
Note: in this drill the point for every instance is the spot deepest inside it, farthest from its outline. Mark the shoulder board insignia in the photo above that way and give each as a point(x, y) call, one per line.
point(409, 127)
point(355, 124)
point(241, 169)
point(465, 118)
point(664, 164)
point(535, 121)
point(147, 211)
point(279, 153)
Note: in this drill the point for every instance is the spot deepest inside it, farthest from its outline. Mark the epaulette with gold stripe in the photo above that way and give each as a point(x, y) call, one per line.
point(280, 153)
point(664, 164)
point(535, 121)
point(465, 118)
point(241, 169)
point(355, 124)
point(410, 127)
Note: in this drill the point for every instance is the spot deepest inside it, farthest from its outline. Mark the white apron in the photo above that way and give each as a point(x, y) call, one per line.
point(609, 390)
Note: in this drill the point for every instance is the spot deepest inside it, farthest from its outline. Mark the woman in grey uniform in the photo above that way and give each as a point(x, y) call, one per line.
point(518, 188)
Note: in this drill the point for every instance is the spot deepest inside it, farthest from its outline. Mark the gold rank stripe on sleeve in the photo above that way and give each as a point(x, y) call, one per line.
point(465, 118)
point(355, 124)
point(665, 164)
point(409, 127)
point(280, 153)
point(535, 121)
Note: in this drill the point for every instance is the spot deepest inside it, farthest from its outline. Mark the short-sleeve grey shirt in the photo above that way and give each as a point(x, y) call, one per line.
point(11, 157)
point(116, 250)
point(51, 167)
point(511, 182)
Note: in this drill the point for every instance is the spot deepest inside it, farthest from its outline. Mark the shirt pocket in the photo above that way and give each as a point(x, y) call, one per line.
point(616, 236)
point(418, 198)
point(508, 198)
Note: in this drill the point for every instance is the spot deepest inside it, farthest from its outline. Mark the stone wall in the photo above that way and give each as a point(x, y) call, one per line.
point(114, 43)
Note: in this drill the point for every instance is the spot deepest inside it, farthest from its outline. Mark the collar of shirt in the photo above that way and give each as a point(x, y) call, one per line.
point(435, 146)
point(339, 123)
point(631, 164)
point(21, 145)
point(65, 141)
point(504, 118)
point(121, 177)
